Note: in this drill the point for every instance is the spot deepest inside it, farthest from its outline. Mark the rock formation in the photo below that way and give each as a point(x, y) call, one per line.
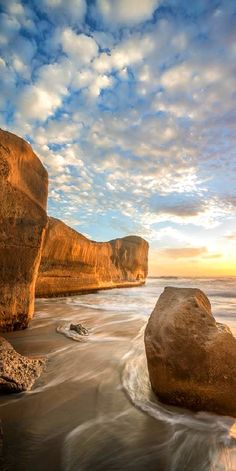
point(17, 373)
point(191, 358)
point(70, 262)
point(23, 198)
point(79, 329)
point(73, 264)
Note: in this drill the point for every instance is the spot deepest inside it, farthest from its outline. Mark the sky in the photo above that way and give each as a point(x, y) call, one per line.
point(131, 107)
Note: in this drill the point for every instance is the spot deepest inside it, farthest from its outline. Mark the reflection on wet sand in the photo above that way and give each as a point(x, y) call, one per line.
point(93, 408)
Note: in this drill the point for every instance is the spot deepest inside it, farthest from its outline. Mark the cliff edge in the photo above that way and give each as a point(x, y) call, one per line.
point(71, 263)
point(23, 219)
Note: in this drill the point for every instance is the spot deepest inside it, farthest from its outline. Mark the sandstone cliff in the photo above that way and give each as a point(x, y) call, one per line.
point(71, 263)
point(191, 358)
point(23, 219)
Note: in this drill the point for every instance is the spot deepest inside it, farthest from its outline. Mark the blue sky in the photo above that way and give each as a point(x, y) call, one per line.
point(131, 107)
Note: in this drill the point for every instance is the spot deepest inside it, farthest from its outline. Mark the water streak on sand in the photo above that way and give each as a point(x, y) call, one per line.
point(94, 401)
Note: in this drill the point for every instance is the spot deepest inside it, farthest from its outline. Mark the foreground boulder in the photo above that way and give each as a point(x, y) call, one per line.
point(71, 263)
point(191, 358)
point(23, 220)
point(17, 373)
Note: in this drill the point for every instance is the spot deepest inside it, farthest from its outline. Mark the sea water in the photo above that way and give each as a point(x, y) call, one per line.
point(93, 408)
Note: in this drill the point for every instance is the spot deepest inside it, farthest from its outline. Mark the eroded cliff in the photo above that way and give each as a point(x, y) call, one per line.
point(71, 263)
point(23, 219)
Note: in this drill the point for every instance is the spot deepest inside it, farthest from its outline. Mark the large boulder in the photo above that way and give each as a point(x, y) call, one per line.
point(23, 220)
point(71, 263)
point(191, 358)
point(17, 372)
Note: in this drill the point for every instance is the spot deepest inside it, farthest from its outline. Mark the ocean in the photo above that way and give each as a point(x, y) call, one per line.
point(93, 408)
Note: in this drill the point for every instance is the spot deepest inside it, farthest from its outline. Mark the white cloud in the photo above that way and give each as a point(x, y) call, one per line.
point(165, 128)
point(83, 78)
point(168, 233)
point(37, 103)
point(57, 76)
point(2, 63)
point(62, 131)
point(15, 8)
point(123, 12)
point(22, 69)
point(20, 60)
point(9, 28)
point(208, 217)
point(25, 50)
point(79, 47)
point(100, 83)
point(70, 10)
point(40, 100)
point(125, 54)
point(14, 17)
point(178, 76)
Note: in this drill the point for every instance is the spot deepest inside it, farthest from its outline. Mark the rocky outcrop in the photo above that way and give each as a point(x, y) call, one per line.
point(79, 329)
point(23, 198)
point(191, 358)
point(17, 373)
point(71, 263)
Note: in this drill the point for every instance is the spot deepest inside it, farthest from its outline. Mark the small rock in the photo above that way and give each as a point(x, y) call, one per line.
point(79, 329)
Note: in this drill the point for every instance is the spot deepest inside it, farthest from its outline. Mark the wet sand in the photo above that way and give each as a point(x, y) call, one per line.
point(93, 409)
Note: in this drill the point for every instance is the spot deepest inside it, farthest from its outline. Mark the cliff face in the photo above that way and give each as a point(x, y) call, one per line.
point(23, 219)
point(72, 264)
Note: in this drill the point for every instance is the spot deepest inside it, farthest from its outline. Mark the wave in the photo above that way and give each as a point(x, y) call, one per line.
point(109, 307)
point(72, 334)
point(221, 294)
point(92, 337)
point(163, 277)
point(194, 431)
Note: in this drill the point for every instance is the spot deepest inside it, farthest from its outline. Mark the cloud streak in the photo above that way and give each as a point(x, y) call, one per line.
point(184, 252)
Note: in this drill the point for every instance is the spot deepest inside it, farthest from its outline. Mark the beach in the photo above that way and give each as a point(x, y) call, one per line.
point(93, 408)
